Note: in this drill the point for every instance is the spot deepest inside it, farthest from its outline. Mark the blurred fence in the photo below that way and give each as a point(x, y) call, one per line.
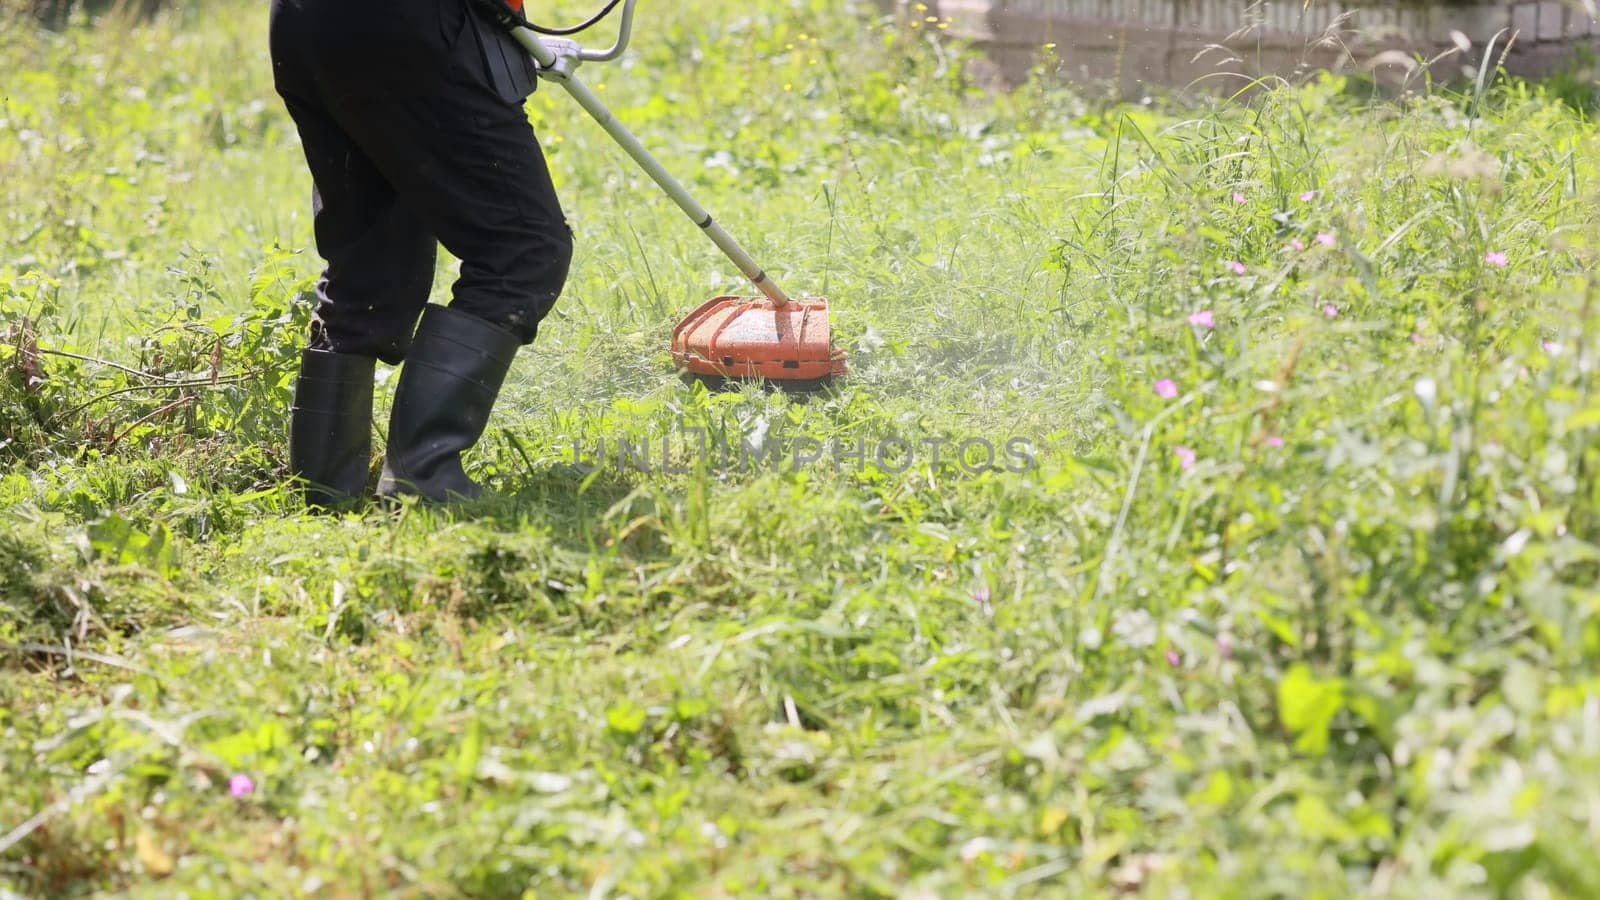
point(1129, 43)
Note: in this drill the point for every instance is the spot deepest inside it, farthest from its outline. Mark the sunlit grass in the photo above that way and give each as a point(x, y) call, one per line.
point(1298, 598)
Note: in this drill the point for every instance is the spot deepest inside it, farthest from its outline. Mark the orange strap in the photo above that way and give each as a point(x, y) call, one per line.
point(515, 4)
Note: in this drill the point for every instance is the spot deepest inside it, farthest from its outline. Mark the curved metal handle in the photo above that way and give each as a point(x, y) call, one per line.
point(559, 66)
point(624, 35)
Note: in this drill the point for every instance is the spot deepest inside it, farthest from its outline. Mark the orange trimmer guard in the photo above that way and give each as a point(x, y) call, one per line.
point(752, 337)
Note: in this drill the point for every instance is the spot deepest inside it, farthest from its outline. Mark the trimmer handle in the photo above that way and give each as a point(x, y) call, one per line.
point(558, 61)
point(624, 35)
point(559, 58)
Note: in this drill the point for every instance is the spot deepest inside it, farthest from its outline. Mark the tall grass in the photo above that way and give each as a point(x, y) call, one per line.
point(1299, 598)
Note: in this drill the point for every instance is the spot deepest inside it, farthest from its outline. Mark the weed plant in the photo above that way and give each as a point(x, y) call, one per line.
point(1297, 596)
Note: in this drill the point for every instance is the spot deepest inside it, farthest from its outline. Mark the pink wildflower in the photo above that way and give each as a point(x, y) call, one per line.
point(1239, 197)
point(1236, 267)
point(1551, 347)
point(1173, 659)
point(1308, 196)
point(1186, 457)
point(1203, 319)
point(1326, 239)
point(1225, 646)
point(1297, 244)
point(1497, 258)
point(1166, 389)
point(241, 785)
point(1330, 311)
point(1274, 441)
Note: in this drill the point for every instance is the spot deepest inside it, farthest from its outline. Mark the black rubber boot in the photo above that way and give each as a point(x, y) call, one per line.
point(447, 389)
point(330, 427)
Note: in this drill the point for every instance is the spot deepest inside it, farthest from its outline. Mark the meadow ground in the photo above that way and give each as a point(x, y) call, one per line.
point(1296, 595)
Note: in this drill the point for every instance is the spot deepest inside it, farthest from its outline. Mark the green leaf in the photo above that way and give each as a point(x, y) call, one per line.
point(1584, 419)
point(470, 751)
point(1319, 822)
point(687, 709)
point(1381, 713)
point(116, 541)
point(1281, 628)
point(625, 718)
point(1307, 705)
point(1217, 793)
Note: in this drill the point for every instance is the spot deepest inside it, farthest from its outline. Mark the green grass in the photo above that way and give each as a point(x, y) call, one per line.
point(1350, 650)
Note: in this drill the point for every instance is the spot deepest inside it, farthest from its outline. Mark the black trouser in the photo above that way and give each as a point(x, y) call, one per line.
point(410, 143)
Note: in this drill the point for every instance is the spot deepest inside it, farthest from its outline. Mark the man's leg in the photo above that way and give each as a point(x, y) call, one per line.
point(365, 310)
point(379, 271)
point(470, 167)
point(380, 256)
point(472, 171)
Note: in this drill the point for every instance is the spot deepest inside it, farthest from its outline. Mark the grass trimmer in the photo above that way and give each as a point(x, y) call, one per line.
point(784, 340)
